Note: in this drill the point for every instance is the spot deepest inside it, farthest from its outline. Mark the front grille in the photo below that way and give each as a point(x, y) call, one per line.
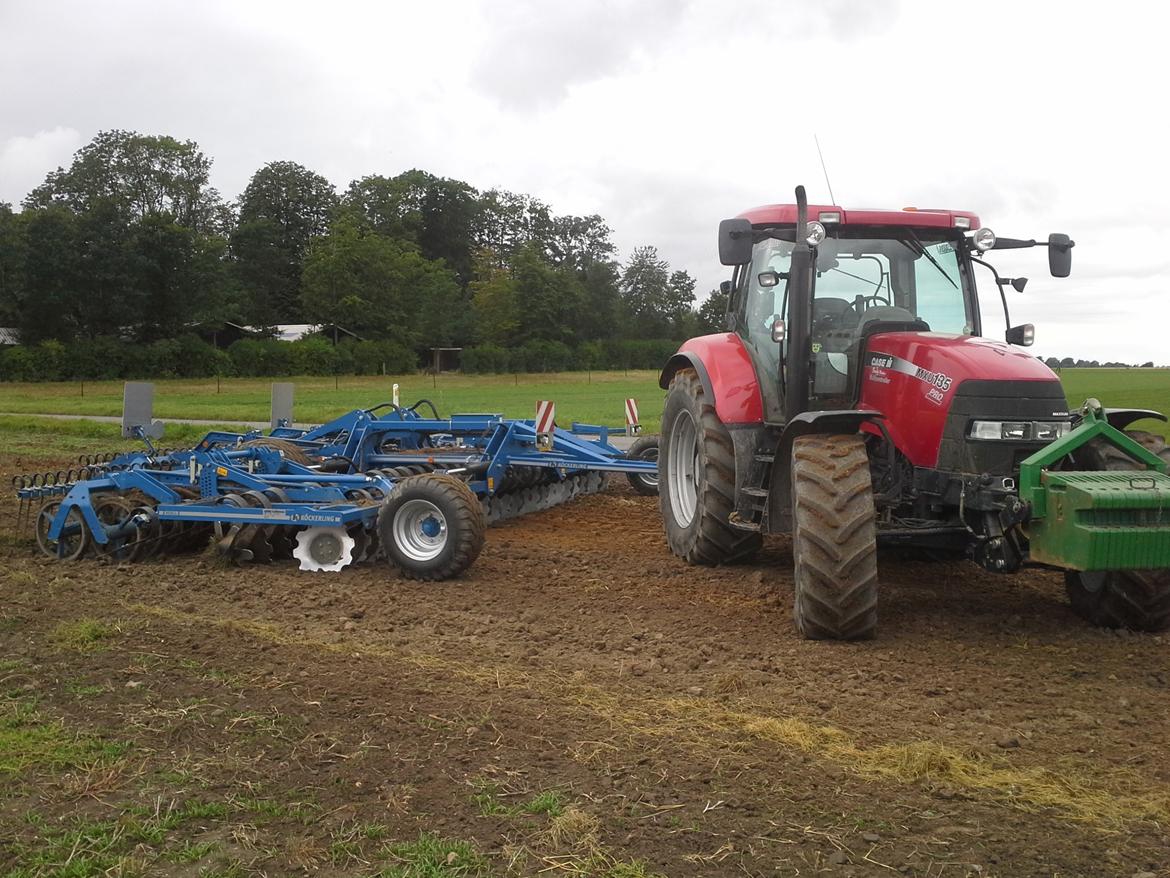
point(995, 401)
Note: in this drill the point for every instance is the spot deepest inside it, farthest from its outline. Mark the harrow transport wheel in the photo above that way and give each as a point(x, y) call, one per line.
point(1138, 600)
point(834, 539)
point(696, 474)
point(646, 448)
point(431, 526)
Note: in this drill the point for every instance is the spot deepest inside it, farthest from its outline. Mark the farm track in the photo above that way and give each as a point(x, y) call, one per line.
point(985, 727)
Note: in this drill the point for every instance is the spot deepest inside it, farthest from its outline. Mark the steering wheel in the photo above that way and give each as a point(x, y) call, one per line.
point(861, 302)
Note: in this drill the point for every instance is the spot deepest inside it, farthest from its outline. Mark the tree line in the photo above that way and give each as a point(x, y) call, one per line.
point(131, 246)
point(1058, 363)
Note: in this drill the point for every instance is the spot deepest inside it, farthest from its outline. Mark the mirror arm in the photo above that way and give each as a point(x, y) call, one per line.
point(999, 283)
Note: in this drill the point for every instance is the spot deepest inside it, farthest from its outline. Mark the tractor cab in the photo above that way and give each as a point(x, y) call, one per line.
point(865, 279)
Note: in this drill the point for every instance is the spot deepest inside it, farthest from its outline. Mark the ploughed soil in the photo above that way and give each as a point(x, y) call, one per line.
point(580, 703)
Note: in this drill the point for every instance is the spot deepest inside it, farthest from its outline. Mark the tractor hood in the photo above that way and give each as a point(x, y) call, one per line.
point(948, 360)
point(916, 378)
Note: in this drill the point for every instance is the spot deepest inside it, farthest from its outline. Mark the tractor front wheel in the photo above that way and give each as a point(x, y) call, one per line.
point(696, 478)
point(834, 539)
point(1138, 600)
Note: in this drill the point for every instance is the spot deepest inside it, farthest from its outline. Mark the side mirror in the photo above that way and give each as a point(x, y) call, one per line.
point(1023, 335)
point(735, 242)
point(1018, 284)
point(1060, 254)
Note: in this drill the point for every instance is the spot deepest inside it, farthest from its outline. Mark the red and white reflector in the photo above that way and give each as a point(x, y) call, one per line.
point(546, 416)
point(632, 425)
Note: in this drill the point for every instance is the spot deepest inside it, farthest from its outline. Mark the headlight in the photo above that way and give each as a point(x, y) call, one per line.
point(814, 233)
point(1015, 431)
point(983, 239)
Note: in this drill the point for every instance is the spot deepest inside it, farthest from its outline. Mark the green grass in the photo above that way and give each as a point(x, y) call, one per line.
point(81, 634)
point(596, 397)
point(123, 846)
point(487, 797)
point(590, 398)
point(29, 740)
point(434, 857)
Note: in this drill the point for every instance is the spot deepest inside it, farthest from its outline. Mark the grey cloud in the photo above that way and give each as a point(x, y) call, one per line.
point(539, 49)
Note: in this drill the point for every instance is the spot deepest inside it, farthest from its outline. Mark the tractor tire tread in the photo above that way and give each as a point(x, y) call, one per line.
point(834, 539)
point(714, 541)
point(465, 522)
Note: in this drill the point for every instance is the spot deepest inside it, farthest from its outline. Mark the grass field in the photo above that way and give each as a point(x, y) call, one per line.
point(592, 398)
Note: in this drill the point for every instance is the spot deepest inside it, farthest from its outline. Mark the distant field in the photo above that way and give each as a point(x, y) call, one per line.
point(598, 397)
point(595, 398)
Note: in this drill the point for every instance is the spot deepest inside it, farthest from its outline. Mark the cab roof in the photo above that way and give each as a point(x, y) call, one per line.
point(917, 217)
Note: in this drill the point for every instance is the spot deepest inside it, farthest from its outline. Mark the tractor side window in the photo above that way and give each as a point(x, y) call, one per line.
point(766, 300)
point(938, 290)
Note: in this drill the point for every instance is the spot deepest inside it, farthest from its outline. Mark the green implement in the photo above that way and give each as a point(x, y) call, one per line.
point(1097, 520)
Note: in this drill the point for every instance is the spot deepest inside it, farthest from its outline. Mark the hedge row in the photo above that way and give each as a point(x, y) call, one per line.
point(189, 357)
point(555, 356)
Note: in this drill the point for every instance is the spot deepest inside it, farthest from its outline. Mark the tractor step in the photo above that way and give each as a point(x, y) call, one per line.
point(1103, 521)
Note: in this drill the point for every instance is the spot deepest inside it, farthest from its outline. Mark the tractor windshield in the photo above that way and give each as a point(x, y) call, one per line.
point(895, 275)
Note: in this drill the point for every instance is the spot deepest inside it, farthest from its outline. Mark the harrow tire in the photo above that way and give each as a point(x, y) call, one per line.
point(290, 450)
point(1137, 600)
point(431, 500)
point(645, 448)
point(834, 539)
point(696, 457)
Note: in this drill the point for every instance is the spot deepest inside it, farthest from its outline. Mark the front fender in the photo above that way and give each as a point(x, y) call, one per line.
point(727, 375)
point(1122, 418)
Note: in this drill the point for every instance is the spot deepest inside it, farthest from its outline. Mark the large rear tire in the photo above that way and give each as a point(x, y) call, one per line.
point(834, 539)
point(696, 478)
point(431, 526)
point(1138, 600)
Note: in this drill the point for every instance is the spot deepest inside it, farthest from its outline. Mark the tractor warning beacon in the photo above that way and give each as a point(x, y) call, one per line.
point(855, 401)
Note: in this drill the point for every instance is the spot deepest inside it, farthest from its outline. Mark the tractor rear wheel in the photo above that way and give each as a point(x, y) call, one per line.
point(431, 526)
point(1138, 600)
point(696, 478)
point(834, 539)
point(645, 448)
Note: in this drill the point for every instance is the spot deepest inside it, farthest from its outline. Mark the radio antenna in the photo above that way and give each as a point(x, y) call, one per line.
point(832, 197)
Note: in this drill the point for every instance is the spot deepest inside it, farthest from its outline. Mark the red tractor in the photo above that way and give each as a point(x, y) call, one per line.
point(855, 402)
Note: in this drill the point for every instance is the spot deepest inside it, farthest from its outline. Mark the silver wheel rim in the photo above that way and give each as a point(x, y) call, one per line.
point(683, 466)
point(420, 530)
point(650, 481)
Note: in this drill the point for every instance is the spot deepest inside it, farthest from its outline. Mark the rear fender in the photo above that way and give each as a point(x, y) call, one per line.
point(806, 424)
point(726, 372)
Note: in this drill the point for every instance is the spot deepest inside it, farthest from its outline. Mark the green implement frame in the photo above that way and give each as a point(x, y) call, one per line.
point(1118, 520)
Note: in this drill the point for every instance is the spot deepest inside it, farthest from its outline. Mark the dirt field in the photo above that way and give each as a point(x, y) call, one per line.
point(580, 704)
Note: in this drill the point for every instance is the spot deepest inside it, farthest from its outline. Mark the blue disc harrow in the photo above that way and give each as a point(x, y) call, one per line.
point(389, 481)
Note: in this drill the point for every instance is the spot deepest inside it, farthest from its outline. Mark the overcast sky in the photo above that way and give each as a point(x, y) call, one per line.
point(663, 117)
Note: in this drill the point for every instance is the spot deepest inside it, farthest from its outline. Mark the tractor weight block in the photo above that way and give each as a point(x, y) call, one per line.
point(1117, 520)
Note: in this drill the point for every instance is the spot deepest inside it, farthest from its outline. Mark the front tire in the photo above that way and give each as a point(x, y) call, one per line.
point(696, 478)
point(431, 527)
point(834, 539)
point(1138, 600)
